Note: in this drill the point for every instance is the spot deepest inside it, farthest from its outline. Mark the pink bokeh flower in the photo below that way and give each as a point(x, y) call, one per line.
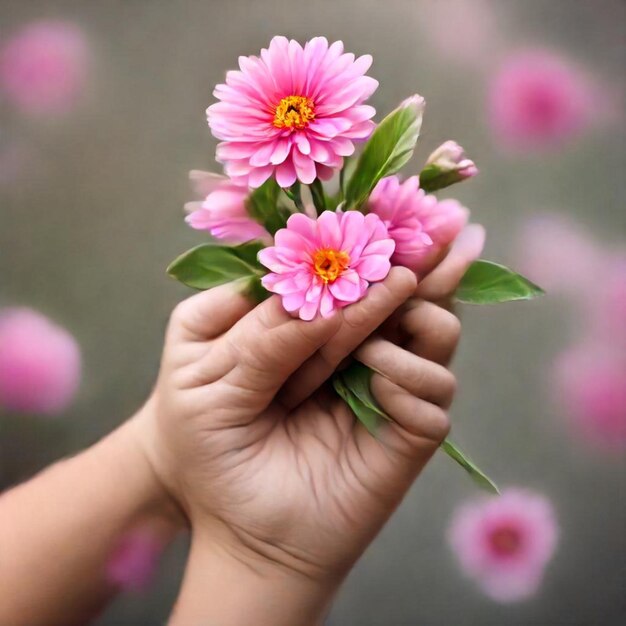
point(133, 563)
point(39, 363)
point(295, 112)
point(223, 211)
point(420, 224)
point(557, 253)
point(466, 32)
point(43, 67)
point(607, 304)
point(590, 387)
point(505, 543)
point(539, 99)
point(317, 266)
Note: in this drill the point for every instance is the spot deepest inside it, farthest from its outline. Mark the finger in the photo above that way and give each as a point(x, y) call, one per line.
point(444, 279)
point(403, 446)
point(414, 415)
point(358, 321)
point(208, 314)
point(433, 332)
point(425, 379)
point(432, 260)
point(257, 355)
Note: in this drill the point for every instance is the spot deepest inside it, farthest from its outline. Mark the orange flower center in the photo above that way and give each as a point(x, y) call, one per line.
point(294, 112)
point(330, 264)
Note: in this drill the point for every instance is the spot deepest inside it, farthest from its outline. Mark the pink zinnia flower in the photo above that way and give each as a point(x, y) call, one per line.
point(328, 263)
point(43, 67)
point(134, 561)
point(590, 387)
point(293, 113)
point(608, 304)
point(504, 543)
point(538, 99)
point(223, 211)
point(418, 223)
point(39, 363)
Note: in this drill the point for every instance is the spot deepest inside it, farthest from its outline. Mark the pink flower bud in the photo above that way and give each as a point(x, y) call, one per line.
point(445, 166)
point(415, 101)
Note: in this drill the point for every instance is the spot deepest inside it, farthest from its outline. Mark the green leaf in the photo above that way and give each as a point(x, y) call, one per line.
point(357, 378)
point(210, 265)
point(253, 289)
point(369, 417)
point(476, 474)
point(262, 205)
point(353, 386)
point(389, 148)
point(488, 283)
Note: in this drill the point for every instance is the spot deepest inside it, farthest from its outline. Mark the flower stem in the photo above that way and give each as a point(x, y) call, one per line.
point(293, 193)
point(319, 197)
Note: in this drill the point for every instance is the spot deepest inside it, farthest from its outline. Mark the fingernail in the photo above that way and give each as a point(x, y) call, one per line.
point(470, 242)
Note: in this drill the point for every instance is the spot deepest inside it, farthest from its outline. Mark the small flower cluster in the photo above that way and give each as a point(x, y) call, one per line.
point(290, 118)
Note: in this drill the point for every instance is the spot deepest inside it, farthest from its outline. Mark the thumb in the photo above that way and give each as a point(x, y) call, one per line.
point(262, 350)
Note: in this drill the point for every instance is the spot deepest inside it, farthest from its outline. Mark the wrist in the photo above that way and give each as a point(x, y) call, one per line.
point(228, 583)
point(122, 451)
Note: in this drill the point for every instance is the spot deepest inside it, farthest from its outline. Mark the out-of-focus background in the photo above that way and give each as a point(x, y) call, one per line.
point(93, 176)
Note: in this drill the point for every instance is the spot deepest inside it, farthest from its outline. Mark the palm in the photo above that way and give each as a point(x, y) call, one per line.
point(262, 449)
point(305, 481)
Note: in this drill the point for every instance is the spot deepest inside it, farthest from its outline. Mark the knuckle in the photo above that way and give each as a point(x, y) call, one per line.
point(370, 309)
point(439, 426)
point(450, 325)
point(372, 351)
point(412, 319)
point(178, 314)
point(448, 386)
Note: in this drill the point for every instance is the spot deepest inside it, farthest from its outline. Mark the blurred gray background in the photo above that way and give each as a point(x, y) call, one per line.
point(87, 231)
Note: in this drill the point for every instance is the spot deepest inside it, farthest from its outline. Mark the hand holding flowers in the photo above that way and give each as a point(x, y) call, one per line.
point(289, 119)
point(283, 490)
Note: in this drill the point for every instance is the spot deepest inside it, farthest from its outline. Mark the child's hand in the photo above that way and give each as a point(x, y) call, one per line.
point(275, 482)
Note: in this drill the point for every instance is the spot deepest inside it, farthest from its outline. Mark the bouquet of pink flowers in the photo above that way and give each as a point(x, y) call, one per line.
point(300, 215)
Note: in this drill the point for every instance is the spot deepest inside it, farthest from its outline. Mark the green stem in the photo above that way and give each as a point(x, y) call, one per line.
point(476, 474)
point(293, 193)
point(341, 181)
point(319, 198)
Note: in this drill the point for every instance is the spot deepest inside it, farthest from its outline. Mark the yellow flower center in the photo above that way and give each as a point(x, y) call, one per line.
point(330, 264)
point(294, 112)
